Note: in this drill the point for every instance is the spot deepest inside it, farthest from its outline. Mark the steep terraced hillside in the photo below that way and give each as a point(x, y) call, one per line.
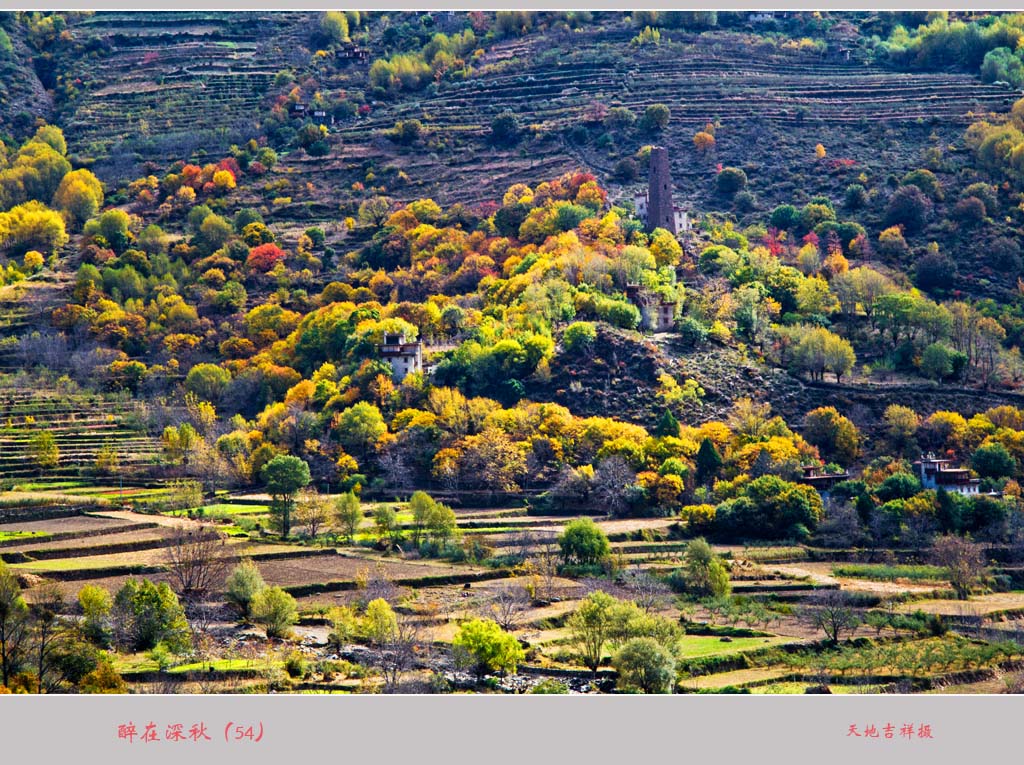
point(169, 84)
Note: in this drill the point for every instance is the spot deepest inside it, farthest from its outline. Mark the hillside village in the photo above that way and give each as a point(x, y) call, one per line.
point(511, 352)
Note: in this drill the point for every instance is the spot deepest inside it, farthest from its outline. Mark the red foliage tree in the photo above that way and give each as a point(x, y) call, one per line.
point(264, 257)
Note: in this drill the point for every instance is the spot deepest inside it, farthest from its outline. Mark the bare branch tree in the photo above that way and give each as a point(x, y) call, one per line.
point(396, 470)
point(831, 611)
point(507, 606)
point(612, 480)
point(542, 571)
point(396, 653)
point(197, 560)
point(963, 560)
point(313, 512)
point(647, 591)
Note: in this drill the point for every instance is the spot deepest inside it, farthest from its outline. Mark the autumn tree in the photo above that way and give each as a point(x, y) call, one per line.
point(264, 257)
point(901, 424)
point(79, 196)
point(313, 511)
point(44, 450)
point(704, 142)
point(835, 436)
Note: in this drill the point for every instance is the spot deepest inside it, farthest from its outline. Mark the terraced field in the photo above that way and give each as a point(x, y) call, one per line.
point(82, 425)
point(181, 79)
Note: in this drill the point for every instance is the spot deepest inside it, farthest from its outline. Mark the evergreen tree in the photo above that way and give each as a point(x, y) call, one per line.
point(668, 425)
point(709, 461)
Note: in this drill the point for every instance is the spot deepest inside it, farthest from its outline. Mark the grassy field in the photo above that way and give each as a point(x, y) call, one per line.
point(8, 536)
point(886, 573)
point(698, 646)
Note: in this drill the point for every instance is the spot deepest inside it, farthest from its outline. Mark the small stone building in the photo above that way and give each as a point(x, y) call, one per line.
point(656, 313)
point(404, 356)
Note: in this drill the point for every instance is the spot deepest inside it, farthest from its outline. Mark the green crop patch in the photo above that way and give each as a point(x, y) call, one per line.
point(886, 573)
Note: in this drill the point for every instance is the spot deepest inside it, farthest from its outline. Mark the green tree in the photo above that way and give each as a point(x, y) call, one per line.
point(705, 573)
point(731, 179)
point(993, 461)
point(708, 461)
point(583, 542)
point(579, 337)
point(111, 228)
point(668, 425)
point(146, 613)
point(487, 647)
point(276, 610)
point(14, 625)
point(936, 362)
point(590, 626)
point(284, 475)
point(505, 128)
point(655, 119)
point(243, 584)
point(385, 521)
point(643, 664)
point(96, 606)
point(421, 506)
point(349, 514)
point(360, 427)
point(380, 623)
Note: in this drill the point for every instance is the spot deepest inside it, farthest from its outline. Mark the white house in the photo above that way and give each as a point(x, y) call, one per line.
point(404, 357)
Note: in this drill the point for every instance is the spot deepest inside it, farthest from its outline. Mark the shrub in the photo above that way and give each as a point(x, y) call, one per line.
point(579, 337)
point(296, 665)
point(731, 180)
point(243, 585)
point(656, 117)
point(486, 646)
point(582, 542)
point(692, 332)
point(644, 665)
point(276, 610)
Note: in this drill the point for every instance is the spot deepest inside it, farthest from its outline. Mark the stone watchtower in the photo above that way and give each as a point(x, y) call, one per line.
point(660, 210)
